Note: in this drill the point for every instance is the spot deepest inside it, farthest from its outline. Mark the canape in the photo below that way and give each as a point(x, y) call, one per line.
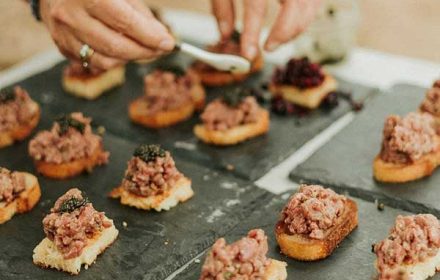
point(152, 181)
point(170, 96)
point(243, 259)
point(19, 115)
point(75, 234)
point(410, 149)
point(91, 83)
point(69, 148)
point(303, 83)
point(314, 222)
point(411, 250)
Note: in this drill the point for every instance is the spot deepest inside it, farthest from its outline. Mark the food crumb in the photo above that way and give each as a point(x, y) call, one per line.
point(380, 205)
point(100, 130)
point(124, 224)
point(166, 243)
point(197, 261)
point(230, 167)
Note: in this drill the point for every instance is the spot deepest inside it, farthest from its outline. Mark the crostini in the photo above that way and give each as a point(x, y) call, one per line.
point(232, 119)
point(19, 115)
point(213, 77)
point(68, 149)
point(302, 82)
point(171, 95)
point(314, 222)
point(152, 181)
point(411, 250)
point(75, 234)
point(91, 83)
point(243, 259)
point(19, 193)
point(410, 149)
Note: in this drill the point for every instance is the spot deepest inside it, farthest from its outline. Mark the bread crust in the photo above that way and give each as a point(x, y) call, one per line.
point(309, 98)
point(304, 248)
point(20, 132)
point(69, 169)
point(234, 135)
point(24, 202)
point(180, 192)
point(275, 271)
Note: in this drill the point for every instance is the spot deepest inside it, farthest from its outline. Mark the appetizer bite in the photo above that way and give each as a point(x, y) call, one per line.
point(75, 234)
point(69, 148)
point(431, 103)
point(302, 82)
point(213, 77)
point(314, 222)
point(170, 96)
point(19, 193)
point(19, 115)
point(231, 119)
point(410, 149)
point(152, 181)
point(91, 83)
point(411, 251)
point(243, 259)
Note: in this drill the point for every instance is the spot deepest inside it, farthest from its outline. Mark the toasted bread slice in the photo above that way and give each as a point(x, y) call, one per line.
point(20, 132)
point(310, 98)
point(47, 255)
point(234, 135)
point(199, 96)
point(24, 202)
point(180, 192)
point(275, 271)
point(304, 248)
point(69, 169)
point(93, 86)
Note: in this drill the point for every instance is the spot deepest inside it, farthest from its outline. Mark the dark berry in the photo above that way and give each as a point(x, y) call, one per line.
point(299, 72)
point(330, 101)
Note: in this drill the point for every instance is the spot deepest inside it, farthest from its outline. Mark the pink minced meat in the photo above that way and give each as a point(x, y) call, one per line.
point(413, 239)
point(54, 147)
point(244, 259)
point(219, 116)
point(151, 178)
point(70, 231)
point(312, 210)
point(407, 139)
point(16, 112)
point(431, 103)
point(11, 184)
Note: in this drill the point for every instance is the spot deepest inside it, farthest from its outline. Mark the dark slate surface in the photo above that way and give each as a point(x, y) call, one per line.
point(346, 160)
point(352, 260)
point(153, 245)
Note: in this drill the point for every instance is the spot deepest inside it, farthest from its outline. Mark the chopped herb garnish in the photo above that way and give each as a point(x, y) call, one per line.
point(7, 94)
point(149, 152)
point(235, 97)
point(175, 69)
point(73, 203)
point(227, 275)
point(66, 121)
point(236, 36)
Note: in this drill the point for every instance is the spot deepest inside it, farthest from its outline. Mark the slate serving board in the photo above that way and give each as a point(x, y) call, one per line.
point(345, 162)
point(352, 260)
point(250, 159)
point(153, 245)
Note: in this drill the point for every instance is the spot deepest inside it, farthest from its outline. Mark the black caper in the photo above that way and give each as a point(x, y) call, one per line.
point(149, 152)
point(69, 205)
point(66, 121)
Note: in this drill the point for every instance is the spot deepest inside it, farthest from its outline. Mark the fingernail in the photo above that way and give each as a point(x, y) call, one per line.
point(167, 44)
point(251, 52)
point(272, 46)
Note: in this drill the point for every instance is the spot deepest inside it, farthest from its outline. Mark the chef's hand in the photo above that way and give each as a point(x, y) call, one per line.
point(293, 18)
point(118, 30)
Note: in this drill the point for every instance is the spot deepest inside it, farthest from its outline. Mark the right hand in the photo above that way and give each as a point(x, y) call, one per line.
point(118, 30)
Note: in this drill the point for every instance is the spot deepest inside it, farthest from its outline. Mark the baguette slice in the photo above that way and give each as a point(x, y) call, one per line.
point(304, 248)
point(234, 135)
point(93, 86)
point(69, 169)
point(180, 192)
point(24, 202)
point(20, 132)
point(310, 98)
point(47, 255)
point(276, 271)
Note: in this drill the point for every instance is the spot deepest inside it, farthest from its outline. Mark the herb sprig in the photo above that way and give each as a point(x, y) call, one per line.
point(66, 121)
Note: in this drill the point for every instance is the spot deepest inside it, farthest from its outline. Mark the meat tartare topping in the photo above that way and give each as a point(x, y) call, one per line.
point(431, 103)
point(70, 138)
point(244, 259)
point(11, 184)
point(312, 210)
point(72, 222)
point(16, 108)
point(299, 72)
point(223, 114)
point(166, 90)
point(407, 139)
point(413, 239)
point(151, 171)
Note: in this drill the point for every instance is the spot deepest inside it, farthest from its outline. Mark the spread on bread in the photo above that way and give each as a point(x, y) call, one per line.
point(431, 103)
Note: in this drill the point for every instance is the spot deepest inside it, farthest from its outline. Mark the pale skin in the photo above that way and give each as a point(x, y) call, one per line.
point(123, 30)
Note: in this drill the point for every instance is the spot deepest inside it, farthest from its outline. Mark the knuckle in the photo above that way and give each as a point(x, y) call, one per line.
point(124, 22)
point(113, 49)
point(59, 13)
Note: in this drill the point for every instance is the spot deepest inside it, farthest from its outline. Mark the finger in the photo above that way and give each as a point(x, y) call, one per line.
point(254, 12)
point(223, 11)
point(122, 17)
point(141, 7)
